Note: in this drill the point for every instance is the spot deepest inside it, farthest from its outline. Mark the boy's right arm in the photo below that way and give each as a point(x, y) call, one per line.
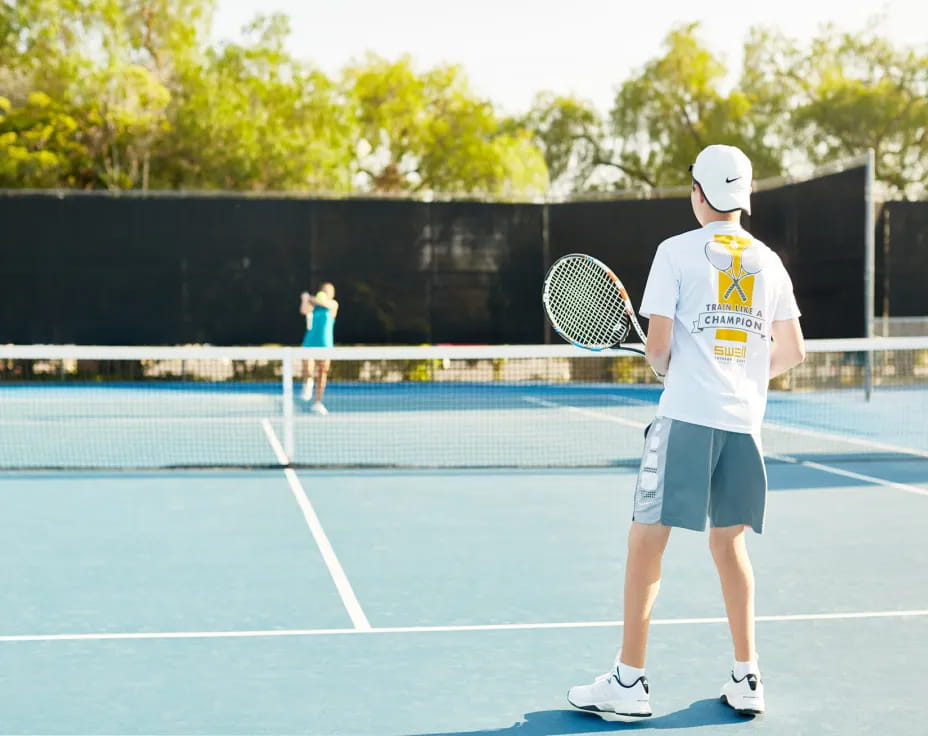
point(657, 348)
point(788, 347)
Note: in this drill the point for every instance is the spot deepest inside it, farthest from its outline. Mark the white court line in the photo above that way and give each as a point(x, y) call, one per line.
point(349, 599)
point(818, 434)
point(785, 458)
point(585, 412)
point(846, 439)
point(275, 443)
point(271, 633)
point(850, 474)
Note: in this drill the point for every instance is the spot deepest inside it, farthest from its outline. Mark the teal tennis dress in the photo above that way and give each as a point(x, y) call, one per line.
point(322, 332)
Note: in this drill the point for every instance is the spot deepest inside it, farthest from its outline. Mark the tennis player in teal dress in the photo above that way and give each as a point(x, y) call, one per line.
point(320, 311)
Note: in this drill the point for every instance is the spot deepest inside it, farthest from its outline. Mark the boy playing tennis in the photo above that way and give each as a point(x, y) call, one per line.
point(715, 297)
point(320, 311)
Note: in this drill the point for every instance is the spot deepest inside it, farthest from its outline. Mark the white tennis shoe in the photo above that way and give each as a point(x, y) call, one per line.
point(745, 696)
point(318, 408)
point(307, 394)
point(608, 694)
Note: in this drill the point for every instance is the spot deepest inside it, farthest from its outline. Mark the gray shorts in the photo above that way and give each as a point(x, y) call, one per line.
point(690, 472)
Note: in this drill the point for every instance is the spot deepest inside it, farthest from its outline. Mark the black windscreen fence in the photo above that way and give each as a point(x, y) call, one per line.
point(623, 234)
point(818, 228)
point(160, 270)
point(416, 272)
point(902, 259)
point(103, 269)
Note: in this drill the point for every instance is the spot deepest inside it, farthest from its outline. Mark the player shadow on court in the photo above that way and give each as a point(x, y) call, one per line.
point(708, 712)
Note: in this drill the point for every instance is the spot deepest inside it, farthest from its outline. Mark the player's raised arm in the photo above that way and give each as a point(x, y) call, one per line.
point(306, 303)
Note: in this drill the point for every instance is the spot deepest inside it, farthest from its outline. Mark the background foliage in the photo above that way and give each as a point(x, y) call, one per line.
point(131, 94)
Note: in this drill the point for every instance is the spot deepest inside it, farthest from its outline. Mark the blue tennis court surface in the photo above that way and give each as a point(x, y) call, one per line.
point(389, 602)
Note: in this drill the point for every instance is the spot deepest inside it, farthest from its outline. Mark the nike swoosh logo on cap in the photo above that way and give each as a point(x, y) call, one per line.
point(729, 181)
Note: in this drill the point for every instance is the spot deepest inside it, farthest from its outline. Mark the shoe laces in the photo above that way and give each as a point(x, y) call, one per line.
point(606, 676)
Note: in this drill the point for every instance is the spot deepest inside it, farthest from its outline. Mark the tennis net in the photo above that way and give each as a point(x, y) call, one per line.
point(82, 407)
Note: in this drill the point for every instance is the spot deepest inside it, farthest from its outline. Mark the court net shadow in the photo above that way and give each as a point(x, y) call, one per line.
point(708, 712)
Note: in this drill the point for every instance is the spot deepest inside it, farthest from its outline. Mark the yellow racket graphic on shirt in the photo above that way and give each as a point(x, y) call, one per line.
point(737, 264)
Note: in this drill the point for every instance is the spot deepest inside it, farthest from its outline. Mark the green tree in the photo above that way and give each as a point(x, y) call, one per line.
point(569, 132)
point(843, 93)
point(428, 132)
point(674, 107)
point(105, 63)
point(662, 116)
point(123, 123)
point(39, 145)
point(165, 34)
point(250, 117)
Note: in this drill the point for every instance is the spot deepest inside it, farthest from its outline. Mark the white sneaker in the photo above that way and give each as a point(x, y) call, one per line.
point(609, 695)
point(318, 408)
point(746, 695)
point(307, 394)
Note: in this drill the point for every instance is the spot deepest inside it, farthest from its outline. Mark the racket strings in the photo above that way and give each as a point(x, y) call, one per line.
point(586, 305)
point(598, 309)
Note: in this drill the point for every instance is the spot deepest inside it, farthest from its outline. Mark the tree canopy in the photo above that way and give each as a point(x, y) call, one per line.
point(132, 94)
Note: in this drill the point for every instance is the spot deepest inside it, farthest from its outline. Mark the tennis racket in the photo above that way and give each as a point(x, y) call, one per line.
point(587, 305)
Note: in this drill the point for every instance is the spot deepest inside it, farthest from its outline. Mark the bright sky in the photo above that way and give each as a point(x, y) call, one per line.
point(512, 49)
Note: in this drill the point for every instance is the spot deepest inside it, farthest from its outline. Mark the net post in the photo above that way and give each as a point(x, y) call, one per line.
point(287, 378)
point(869, 267)
point(545, 261)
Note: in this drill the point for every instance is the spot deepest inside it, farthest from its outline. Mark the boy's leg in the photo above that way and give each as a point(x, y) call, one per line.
point(672, 490)
point(730, 553)
point(738, 501)
point(744, 690)
point(646, 545)
point(625, 689)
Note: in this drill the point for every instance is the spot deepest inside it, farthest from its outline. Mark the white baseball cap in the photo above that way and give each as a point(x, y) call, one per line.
point(724, 173)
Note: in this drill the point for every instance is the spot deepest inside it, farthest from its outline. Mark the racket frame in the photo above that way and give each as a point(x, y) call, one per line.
point(623, 294)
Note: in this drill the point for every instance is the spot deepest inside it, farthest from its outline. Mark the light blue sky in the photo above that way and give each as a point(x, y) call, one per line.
point(514, 48)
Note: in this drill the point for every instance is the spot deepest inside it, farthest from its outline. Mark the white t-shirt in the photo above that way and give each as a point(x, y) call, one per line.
point(723, 289)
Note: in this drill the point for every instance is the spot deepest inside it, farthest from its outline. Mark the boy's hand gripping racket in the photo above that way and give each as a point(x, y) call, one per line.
point(587, 304)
